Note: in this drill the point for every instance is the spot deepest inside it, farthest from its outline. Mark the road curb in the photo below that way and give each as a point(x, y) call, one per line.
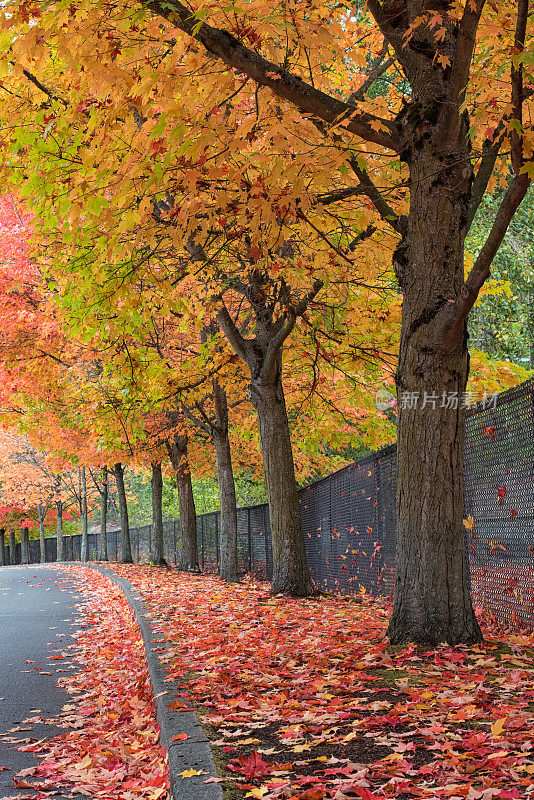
point(192, 753)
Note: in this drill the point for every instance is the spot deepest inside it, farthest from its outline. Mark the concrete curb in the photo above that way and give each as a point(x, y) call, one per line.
point(193, 753)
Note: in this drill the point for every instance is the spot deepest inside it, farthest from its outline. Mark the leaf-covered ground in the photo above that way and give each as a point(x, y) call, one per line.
point(303, 699)
point(110, 749)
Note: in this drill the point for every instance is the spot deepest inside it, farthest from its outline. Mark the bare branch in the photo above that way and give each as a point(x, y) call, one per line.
point(282, 83)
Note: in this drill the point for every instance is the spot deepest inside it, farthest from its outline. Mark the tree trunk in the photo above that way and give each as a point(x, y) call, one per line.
point(228, 562)
point(12, 548)
point(42, 544)
point(126, 548)
point(85, 541)
point(25, 546)
point(228, 566)
point(290, 567)
point(188, 557)
point(103, 542)
point(432, 593)
point(2, 548)
point(156, 555)
point(59, 533)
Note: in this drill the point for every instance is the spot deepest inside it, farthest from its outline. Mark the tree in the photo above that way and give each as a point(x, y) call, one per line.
point(431, 134)
point(402, 158)
point(103, 540)
point(125, 548)
point(156, 553)
point(177, 448)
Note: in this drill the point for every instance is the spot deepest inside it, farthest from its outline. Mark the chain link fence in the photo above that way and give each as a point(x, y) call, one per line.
point(349, 519)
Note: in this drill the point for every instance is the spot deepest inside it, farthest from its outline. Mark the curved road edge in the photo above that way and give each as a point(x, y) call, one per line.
point(192, 753)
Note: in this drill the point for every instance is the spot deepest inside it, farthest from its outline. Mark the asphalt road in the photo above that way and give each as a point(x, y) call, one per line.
point(37, 611)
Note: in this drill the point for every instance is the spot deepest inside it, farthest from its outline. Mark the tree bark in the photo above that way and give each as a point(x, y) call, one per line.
point(103, 542)
point(432, 592)
point(290, 567)
point(85, 541)
point(42, 544)
point(12, 546)
point(156, 555)
point(24, 546)
point(126, 548)
point(2, 548)
point(188, 557)
point(59, 532)
point(228, 562)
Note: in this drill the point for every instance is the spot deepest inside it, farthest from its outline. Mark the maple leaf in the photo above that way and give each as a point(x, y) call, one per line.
point(190, 773)
point(252, 766)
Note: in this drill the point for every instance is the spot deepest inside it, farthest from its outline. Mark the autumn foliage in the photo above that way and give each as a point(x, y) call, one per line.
point(304, 699)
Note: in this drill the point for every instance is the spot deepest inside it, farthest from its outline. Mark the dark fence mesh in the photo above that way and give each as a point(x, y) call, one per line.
point(499, 497)
point(349, 519)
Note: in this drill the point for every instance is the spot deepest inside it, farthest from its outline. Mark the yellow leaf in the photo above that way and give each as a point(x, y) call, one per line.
point(469, 522)
point(498, 754)
point(300, 748)
point(498, 725)
point(257, 792)
point(189, 773)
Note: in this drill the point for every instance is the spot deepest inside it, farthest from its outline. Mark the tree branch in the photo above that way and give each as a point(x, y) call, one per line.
point(42, 88)
point(378, 67)
point(516, 137)
point(461, 66)
point(490, 154)
point(279, 338)
point(231, 331)
point(284, 84)
point(381, 205)
point(450, 327)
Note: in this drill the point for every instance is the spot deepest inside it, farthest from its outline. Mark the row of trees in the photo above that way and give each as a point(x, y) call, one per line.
point(229, 203)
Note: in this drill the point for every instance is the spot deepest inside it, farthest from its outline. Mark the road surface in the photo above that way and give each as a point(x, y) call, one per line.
point(37, 612)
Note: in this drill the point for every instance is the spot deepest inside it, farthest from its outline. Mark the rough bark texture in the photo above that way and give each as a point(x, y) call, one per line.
point(12, 552)
point(290, 567)
point(188, 557)
point(126, 548)
point(432, 599)
point(59, 531)
point(157, 515)
point(24, 546)
point(84, 542)
point(228, 566)
point(2, 548)
point(42, 545)
point(103, 539)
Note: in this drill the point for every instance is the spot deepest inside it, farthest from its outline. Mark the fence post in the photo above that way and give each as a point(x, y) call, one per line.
point(174, 540)
point(202, 543)
point(265, 509)
point(249, 538)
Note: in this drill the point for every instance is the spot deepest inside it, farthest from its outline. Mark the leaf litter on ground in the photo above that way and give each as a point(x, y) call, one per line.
point(111, 748)
point(304, 700)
